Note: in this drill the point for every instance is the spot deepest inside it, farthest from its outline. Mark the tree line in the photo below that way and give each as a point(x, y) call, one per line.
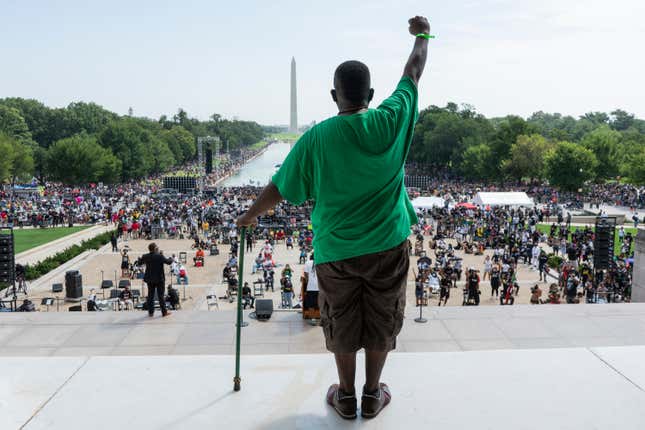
point(84, 142)
point(563, 150)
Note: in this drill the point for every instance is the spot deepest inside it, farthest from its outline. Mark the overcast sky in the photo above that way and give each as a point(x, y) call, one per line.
point(233, 57)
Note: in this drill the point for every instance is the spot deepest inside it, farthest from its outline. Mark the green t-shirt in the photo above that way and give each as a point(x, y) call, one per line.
point(352, 167)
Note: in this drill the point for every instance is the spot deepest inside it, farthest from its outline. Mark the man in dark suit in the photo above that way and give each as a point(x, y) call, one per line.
point(155, 278)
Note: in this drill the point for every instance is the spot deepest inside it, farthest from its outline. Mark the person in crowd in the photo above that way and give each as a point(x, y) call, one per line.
point(155, 277)
point(125, 263)
point(309, 291)
point(113, 242)
point(444, 292)
point(287, 291)
point(495, 281)
point(542, 265)
point(182, 275)
point(126, 299)
point(173, 297)
point(488, 267)
point(247, 296)
point(536, 294)
point(198, 259)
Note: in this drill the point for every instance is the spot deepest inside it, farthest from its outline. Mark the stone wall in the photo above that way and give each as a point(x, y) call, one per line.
point(638, 290)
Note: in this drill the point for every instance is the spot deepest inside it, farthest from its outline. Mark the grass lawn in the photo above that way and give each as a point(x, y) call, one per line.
point(546, 228)
point(259, 145)
point(33, 237)
point(285, 136)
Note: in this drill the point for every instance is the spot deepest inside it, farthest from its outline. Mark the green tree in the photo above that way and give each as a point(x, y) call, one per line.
point(13, 124)
point(127, 141)
point(633, 169)
point(161, 158)
point(505, 137)
point(526, 158)
point(36, 116)
point(89, 117)
point(605, 144)
point(569, 165)
point(621, 120)
point(6, 149)
point(443, 134)
point(180, 142)
point(80, 160)
point(476, 162)
point(17, 162)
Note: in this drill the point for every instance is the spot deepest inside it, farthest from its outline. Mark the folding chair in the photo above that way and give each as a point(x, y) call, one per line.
point(211, 300)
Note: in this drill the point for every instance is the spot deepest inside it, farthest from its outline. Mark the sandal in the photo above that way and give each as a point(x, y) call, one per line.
point(344, 404)
point(373, 404)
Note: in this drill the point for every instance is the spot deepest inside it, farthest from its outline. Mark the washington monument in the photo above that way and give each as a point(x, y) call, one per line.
point(293, 122)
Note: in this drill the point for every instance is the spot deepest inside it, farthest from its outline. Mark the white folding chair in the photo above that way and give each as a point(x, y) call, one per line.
point(211, 300)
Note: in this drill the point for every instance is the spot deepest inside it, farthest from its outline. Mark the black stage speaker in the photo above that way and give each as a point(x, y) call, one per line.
point(603, 244)
point(209, 161)
point(7, 266)
point(73, 285)
point(263, 309)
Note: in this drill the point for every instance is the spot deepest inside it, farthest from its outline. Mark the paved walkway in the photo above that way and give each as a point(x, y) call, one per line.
point(41, 252)
point(618, 210)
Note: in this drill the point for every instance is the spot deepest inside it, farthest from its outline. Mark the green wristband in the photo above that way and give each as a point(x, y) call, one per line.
point(425, 36)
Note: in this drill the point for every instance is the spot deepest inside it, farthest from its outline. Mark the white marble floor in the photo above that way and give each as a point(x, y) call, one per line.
point(567, 388)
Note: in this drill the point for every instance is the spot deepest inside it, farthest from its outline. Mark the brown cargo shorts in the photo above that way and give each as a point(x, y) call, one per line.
point(362, 300)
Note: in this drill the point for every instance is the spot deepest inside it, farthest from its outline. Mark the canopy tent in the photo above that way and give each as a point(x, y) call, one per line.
point(428, 202)
point(502, 199)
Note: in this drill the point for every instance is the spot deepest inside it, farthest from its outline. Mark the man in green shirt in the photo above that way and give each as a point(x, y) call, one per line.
point(352, 167)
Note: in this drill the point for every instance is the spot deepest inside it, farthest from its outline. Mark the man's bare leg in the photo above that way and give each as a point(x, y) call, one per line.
point(374, 362)
point(346, 366)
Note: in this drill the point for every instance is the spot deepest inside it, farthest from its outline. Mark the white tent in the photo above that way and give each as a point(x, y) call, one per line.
point(428, 202)
point(502, 199)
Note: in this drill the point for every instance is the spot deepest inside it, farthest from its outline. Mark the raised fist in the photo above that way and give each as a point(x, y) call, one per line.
point(419, 24)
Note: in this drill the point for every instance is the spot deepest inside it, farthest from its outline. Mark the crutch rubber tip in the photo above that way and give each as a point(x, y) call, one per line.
point(236, 384)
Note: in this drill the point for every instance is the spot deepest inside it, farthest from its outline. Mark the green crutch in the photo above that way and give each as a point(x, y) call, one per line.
point(238, 327)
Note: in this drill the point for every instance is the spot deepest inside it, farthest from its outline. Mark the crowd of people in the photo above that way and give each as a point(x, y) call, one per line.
point(560, 254)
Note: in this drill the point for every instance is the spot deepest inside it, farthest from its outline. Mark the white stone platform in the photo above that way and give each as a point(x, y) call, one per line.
point(597, 388)
point(511, 367)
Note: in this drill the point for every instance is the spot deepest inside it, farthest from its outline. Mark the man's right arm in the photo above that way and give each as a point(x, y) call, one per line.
point(417, 60)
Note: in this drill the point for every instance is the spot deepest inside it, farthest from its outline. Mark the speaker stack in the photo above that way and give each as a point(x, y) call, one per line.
point(7, 260)
point(209, 161)
point(181, 183)
point(603, 244)
point(73, 285)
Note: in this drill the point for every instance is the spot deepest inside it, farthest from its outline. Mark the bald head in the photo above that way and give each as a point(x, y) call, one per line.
point(352, 84)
